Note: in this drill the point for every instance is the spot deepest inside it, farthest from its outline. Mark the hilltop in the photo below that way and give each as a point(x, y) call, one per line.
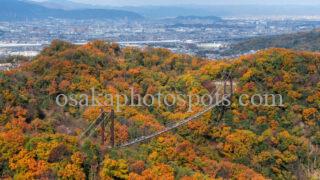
point(306, 41)
point(39, 139)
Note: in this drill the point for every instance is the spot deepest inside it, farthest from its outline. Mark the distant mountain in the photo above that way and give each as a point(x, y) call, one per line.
point(161, 12)
point(192, 20)
point(309, 41)
point(215, 18)
point(21, 10)
point(148, 11)
point(225, 10)
point(64, 4)
point(187, 21)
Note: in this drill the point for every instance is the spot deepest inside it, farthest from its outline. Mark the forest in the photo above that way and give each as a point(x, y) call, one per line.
point(40, 140)
point(305, 40)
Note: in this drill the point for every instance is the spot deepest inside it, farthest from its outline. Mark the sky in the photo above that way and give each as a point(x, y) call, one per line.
point(196, 2)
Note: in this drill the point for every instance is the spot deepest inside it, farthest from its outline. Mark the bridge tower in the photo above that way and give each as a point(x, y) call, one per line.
point(102, 121)
point(112, 117)
point(228, 87)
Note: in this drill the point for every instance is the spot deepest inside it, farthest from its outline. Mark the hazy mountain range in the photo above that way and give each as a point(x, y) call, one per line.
point(23, 10)
point(31, 9)
point(64, 4)
point(197, 10)
point(226, 10)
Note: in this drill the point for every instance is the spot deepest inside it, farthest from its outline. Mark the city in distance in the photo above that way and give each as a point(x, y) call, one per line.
point(160, 89)
point(27, 26)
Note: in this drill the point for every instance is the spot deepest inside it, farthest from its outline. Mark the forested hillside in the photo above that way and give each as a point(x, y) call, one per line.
point(39, 139)
point(307, 41)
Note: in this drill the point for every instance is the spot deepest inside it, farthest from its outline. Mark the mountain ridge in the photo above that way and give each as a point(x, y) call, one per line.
point(64, 4)
point(307, 41)
point(12, 10)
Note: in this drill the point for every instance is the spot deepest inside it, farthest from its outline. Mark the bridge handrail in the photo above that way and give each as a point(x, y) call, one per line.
point(169, 128)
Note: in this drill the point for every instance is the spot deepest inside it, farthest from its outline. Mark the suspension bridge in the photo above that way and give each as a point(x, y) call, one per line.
point(105, 118)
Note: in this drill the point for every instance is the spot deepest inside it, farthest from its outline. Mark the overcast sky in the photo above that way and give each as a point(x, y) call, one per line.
point(198, 2)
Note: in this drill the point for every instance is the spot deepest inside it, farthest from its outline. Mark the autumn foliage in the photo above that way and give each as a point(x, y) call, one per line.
point(39, 140)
